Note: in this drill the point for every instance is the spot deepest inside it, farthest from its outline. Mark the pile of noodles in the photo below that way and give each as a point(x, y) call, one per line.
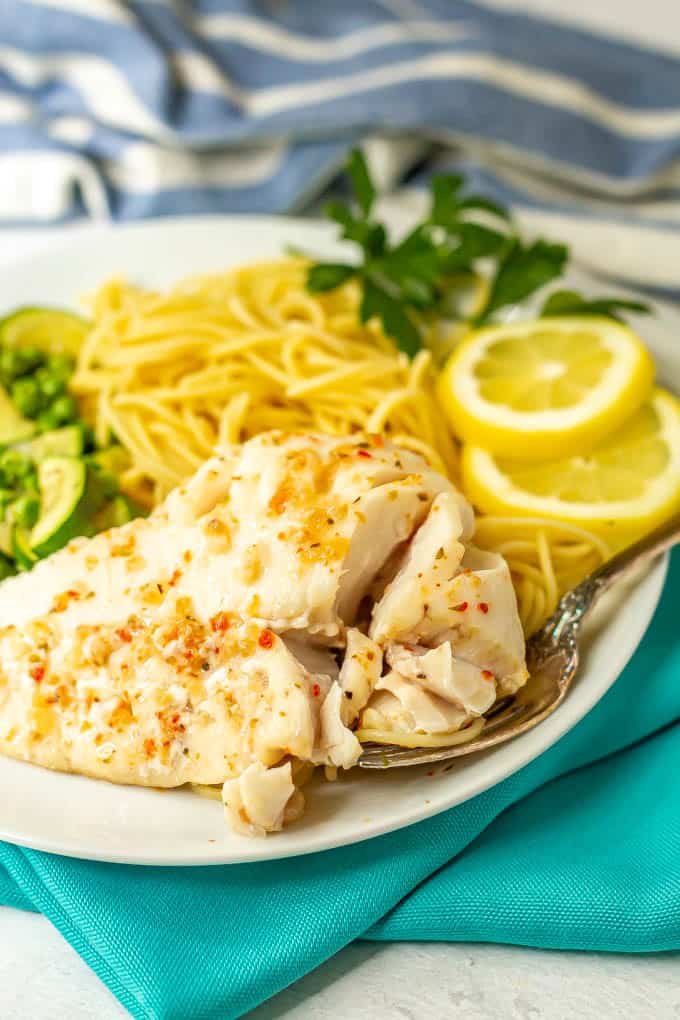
point(221, 358)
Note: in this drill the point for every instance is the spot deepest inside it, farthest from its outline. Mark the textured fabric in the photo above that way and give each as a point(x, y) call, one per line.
point(130, 108)
point(565, 854)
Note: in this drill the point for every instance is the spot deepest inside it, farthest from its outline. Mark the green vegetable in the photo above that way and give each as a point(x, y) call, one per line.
point(14, 466)
point(16, 363)
point(22, 552)
point(46, 422)
point(6, 546)
point(328, 276)
point(66, 442)
point(26, 396)
point(51, 490)
point(49, 384)
point(49, 330)
point(522, 269)
point(570, 302)
point(404, 283)
point(64, 512)
point(407, 284)
point(118, 511)
point(7, 568)
point(113, 460)
point(25, 510)
point(13, 426)
point(64, 410)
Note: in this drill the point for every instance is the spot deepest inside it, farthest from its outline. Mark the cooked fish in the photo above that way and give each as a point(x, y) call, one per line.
point(293, 585)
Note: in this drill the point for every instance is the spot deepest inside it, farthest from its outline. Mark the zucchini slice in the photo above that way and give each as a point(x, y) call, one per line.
point(51, 330)
point(114, 460)
point(14, 428)
point(116, 512)
point(63, 514)
point(22, 552)
point(6, 539)
point(7, 568)
point(66, 442)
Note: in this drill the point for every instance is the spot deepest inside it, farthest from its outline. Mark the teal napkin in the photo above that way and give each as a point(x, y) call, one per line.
point(581, 849)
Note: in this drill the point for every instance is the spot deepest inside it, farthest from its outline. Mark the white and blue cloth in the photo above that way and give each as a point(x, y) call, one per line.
point(121, 110)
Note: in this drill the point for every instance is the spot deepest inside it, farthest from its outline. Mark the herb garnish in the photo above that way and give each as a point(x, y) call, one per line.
point(408, 284)
point(570, 302)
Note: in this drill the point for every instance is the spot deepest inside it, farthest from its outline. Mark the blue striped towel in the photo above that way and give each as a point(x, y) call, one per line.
point(112, 109)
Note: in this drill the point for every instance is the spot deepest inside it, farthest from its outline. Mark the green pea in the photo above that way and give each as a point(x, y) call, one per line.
point(60, 364)
point(30, 358)
point(25, 510)
point(107, 483)
point(9, 364)
point(26, 396)
point(49, 383)
point(15, 466)
point(46, 421)
point(6, 497)
point(30, 482)
point(64, 410)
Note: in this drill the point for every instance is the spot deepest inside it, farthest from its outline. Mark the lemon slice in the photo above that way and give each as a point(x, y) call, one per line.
point(621, 489)
point(546, 388)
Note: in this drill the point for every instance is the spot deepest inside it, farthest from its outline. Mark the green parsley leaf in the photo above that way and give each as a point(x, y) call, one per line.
point(378, 302)
point(570, 302)
point(522, 269)
point(445, 189)
point(357, 169)
point(482, 204)
point(328, 275)
point(407, 284)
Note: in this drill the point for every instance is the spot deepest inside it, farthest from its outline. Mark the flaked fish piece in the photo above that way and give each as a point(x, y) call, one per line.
point(296, 587)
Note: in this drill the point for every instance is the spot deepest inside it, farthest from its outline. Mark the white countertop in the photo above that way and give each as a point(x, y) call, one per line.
point(41, 977)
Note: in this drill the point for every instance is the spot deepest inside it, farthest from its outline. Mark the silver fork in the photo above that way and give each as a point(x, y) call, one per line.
point(552, 659)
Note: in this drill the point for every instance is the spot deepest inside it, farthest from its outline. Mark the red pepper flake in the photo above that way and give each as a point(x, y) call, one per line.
point(266, 639)
point(365, 454)
point(487, 674)
point(409, 648)
point(37, 673)
point(461, 607)
point(220, 622)
point(429, 773)
point(73, 594)
point(316, 690)
point(483, 607)
point(124, 634)
point(377, 441)
point(149, 747)
point(176, 574)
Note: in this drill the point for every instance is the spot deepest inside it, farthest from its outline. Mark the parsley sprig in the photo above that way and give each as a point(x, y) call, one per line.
point(570, 302)
point(407, 284)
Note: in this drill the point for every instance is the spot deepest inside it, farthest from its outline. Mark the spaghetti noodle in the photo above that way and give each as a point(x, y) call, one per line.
point(221, 358)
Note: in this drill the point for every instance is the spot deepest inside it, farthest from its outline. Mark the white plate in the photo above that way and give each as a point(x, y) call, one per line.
point(85, 818)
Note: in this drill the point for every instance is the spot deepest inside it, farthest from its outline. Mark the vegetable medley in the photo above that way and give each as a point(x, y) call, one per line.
point(54, 483)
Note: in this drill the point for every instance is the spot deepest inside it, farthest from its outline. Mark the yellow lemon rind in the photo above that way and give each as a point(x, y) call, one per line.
point(540, 435)
point(493, 492)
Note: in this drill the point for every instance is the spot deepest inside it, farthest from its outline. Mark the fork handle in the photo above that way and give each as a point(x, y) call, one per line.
point(575, 605)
